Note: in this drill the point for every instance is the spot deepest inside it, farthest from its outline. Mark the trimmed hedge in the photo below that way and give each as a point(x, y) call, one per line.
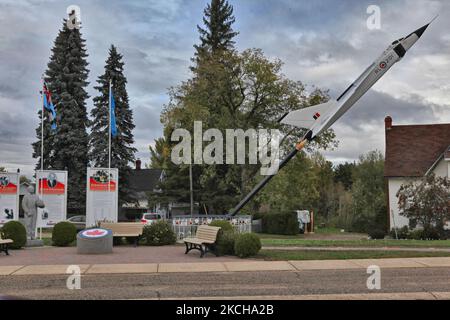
point(15, 231)
point(284, 223)
point(64, 233)
point(159, 233)
point(247, 245)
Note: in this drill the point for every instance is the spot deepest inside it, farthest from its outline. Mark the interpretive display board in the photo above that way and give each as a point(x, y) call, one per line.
point(101, 196)
point(52, 189)
point(9, 197)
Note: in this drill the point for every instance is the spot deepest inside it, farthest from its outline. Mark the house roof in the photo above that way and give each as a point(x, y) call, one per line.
point(144, 180)
point(411, 150)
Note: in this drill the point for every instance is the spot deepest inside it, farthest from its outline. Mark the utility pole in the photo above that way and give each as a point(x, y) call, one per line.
point(191, 190)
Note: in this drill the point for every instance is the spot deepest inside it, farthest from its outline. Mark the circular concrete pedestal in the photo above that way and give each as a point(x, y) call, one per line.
point(95, 241)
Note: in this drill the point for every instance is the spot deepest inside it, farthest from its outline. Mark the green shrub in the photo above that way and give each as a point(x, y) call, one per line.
point(225, 237)
point(64, 233)
point(285, 223)
point(247, 245)
point(15, 231)
point(425, 234)
point(223, 224)
point(159, 233)
point(402, 233)
point(377, 233)
point(225, 243)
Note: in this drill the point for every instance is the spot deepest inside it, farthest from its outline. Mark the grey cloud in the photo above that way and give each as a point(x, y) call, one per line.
point(375, 106)
point(156, 39)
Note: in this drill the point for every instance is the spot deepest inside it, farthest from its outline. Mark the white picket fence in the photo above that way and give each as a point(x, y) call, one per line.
point(186, 226)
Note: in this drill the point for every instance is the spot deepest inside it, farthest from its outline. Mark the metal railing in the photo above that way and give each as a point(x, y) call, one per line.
point(186, 226)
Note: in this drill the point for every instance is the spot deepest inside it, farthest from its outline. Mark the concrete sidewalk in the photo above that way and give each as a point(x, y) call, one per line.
point(225, 266)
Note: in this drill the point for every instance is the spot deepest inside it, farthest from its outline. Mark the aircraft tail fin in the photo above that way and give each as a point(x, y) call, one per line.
point(306, 117)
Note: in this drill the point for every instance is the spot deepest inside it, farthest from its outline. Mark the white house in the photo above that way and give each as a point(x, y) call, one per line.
point(412, 151)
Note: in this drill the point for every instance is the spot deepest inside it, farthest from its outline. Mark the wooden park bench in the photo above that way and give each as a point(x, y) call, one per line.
point(125, 230)
point(205, 240)
point(4, 244)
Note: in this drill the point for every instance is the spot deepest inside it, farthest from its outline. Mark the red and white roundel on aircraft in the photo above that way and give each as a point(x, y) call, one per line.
point(383, 65)
point(94, 233)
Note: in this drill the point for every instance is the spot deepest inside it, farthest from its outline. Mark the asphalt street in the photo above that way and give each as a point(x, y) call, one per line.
point(230, 284)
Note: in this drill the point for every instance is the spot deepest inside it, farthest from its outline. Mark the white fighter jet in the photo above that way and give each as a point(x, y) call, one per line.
point(319, 118)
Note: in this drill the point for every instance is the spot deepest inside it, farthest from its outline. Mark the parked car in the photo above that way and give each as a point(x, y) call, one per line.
point(78, 221)
point(149, 218)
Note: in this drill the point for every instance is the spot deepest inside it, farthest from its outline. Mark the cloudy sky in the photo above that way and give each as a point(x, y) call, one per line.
point(323, 43)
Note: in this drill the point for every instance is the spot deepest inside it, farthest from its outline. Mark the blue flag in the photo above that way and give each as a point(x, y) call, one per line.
point(113, 115)
point(48, 105)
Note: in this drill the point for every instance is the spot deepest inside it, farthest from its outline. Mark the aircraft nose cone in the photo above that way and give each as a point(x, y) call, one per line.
point(420, 31)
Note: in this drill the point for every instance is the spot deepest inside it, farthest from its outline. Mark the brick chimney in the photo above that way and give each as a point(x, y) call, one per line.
point(138, 164)
point(388, 123)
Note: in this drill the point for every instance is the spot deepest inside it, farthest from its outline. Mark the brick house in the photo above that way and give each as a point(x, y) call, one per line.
point(412, 151)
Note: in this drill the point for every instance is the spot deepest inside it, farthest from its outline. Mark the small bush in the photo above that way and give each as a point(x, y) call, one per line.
point(425, 234)
point(225, 243)
point(223, 224)
point(64, 233)
point(247, 245)
point(15, 231)
point(285, 223)
point(377, 234)
point(159, 233)
point(402, 233)
point(225, 238)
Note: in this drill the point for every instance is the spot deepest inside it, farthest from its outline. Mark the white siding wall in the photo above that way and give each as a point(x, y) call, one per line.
point(394, 217)
point(394, 184)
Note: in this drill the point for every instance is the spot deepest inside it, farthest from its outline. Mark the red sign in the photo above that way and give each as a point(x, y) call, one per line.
point(51, 187)
point(95, 185)
point(10, 188)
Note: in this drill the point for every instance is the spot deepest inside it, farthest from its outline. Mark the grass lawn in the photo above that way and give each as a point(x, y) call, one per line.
point(273, 255)
point(269, 240)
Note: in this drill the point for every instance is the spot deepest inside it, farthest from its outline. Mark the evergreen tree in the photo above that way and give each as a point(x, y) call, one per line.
point(48, 143)
point(218, 34)
point(122, 152)
point(230, 90)
point(67, 148)
point(160, 154)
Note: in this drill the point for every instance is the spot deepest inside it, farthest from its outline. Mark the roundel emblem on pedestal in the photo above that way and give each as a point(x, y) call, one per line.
point(94, 233)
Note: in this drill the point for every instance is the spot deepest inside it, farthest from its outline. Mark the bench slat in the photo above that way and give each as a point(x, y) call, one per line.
point(204, 235)
point(124, 229)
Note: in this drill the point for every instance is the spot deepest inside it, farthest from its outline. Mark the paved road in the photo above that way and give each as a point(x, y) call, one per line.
point(231, 284)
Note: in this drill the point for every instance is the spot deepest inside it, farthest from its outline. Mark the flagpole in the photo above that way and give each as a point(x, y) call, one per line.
point(42, 123)
point(109, 138)
point(42, 145)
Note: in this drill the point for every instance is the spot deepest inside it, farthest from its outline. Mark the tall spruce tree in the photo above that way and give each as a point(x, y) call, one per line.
point(211, 185)
point(67, 148)
point(217, 34)
point(122, 152)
